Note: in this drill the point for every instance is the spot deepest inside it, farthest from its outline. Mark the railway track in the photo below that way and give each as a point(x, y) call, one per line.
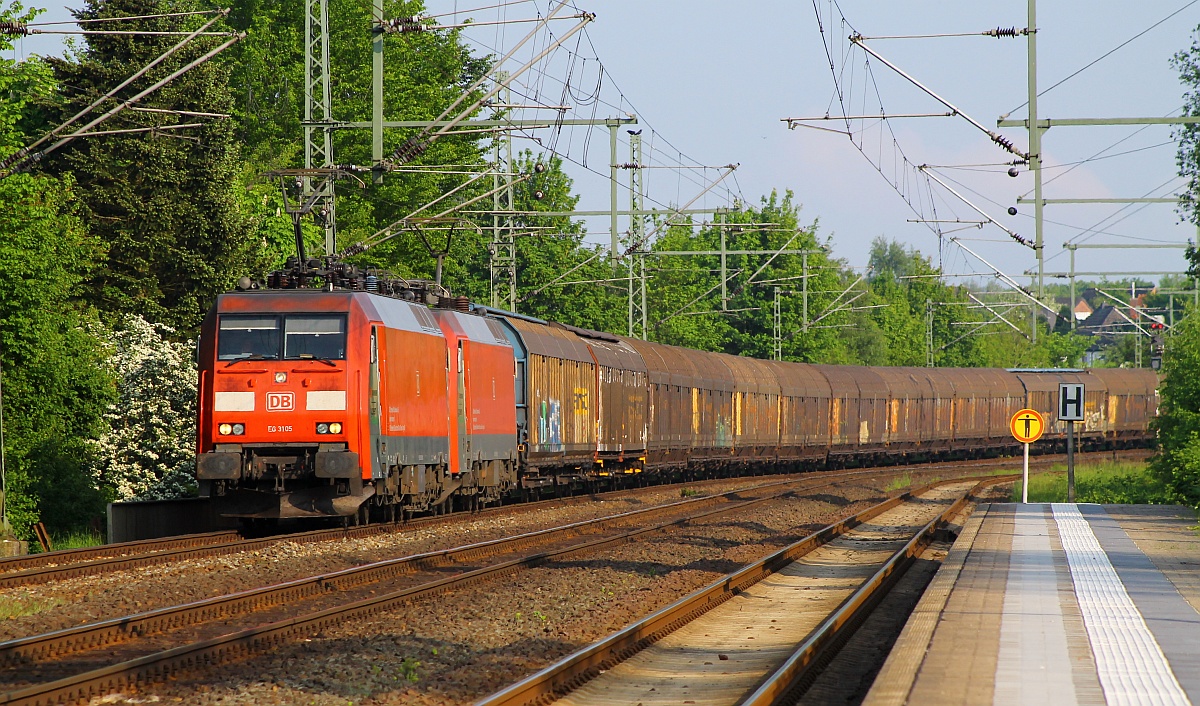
point(76, 663)
point(755, 636)
point(53, 566)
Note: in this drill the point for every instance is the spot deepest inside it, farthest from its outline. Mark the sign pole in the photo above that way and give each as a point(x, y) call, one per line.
point(1070, 462)
point(1026, 426)
point(1071, 409)
point(1025, 478)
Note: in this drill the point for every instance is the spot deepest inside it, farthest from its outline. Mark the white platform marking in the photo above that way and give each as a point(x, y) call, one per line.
point(1129, 662)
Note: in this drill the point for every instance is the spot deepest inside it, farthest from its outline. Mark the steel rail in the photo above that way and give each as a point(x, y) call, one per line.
point(41, 568)
point(69, 556)
point(797, 670)
point(237, 645)
point(98, 634)
point(72, 563)
point(575, 669)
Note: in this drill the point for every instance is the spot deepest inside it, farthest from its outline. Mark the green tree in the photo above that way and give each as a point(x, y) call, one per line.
point(54, 386)
point(1187, 62)
point(423, 73)
point(907, 290)
point(166, 204)
point(552, 248)
point(1177, 464)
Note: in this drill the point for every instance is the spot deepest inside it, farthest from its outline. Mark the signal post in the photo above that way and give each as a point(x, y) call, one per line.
point(1026, 427)
point(1070, 410)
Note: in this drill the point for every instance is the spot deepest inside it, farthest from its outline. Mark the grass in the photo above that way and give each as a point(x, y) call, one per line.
point(71, 540)
point(12, 607)
point(898, 482)
point(1108, 483)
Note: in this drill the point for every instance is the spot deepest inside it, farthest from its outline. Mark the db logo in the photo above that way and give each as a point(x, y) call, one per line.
point(281, 401)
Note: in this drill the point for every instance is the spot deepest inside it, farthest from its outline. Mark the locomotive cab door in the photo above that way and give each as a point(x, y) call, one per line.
point(378, 457)
point(464, 439)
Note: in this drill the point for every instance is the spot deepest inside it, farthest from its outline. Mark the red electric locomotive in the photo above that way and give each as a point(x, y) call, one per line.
point(314, 401)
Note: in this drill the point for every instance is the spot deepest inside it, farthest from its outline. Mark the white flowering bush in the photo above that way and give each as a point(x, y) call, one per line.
point(148, 450)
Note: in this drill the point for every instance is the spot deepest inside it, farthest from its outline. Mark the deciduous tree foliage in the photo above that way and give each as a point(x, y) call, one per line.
point(1187, 62)
point(147, 452)
point(1178, 425)
point(165, 204)
point(423, 73)
point(54, 386)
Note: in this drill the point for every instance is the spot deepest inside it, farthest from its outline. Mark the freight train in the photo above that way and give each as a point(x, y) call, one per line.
point(364, 393)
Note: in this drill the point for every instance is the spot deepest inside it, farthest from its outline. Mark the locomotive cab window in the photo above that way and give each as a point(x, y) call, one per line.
point(314, 336)
point(248, 337)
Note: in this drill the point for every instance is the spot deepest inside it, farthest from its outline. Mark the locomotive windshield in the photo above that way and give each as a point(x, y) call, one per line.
point(248, 337)
point(312, 336)
point(304, 336)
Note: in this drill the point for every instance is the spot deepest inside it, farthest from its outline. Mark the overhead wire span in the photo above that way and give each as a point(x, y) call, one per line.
point(25, 156)
point(999, 139)
point(998, 33)
point(1102, 57)
point(221, 11)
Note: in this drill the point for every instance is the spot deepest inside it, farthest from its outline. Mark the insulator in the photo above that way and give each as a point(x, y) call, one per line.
point(1000, 32)
point(13, 158)
point(372, 283)
point(412, 148)
point(402, 25)
point(539, 194)
point(1002, 141)
point(539, 167)
point(14, 29)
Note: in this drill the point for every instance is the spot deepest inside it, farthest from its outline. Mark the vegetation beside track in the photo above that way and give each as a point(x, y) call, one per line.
point(1107, 483)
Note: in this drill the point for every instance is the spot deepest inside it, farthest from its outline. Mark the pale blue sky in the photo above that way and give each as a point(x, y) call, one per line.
point(714, 79)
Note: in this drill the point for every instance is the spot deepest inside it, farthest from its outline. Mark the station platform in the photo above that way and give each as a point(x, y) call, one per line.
point(1053, 604)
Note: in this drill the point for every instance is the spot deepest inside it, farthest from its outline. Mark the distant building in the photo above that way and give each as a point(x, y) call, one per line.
point(1083, 310)
point(1102, 323)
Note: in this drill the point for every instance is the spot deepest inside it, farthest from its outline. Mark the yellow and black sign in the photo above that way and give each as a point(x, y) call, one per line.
point(1027, 426)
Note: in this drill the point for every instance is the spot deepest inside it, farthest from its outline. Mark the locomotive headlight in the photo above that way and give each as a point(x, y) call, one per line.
point(322, 428)
point(239, 429)
point(225, 429)
point(335, 428)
